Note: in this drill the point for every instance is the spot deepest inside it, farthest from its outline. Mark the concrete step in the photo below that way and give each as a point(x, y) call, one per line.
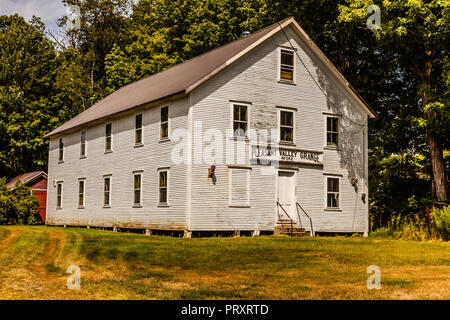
point(289, 229)
point(295, 231)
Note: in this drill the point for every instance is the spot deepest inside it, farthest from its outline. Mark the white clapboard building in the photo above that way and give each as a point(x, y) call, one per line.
point(259, 133)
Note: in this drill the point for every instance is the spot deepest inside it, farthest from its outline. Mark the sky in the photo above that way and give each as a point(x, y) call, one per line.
point(48, 10)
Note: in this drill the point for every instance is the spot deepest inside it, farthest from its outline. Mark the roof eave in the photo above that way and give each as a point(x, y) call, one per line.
point(171, 96)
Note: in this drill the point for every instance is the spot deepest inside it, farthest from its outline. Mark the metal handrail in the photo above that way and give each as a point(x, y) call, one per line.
point(310, 220)
point(278, 211)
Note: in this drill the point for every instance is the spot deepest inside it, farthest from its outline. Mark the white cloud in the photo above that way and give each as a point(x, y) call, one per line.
point(48, 10)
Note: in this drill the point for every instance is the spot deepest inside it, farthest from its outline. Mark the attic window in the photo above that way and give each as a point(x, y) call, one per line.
point(286, 65)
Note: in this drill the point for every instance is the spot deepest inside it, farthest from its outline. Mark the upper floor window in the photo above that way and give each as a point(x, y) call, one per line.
point(286, 126)
point(240, 120)
point(107, 191)
point(333, 193)
point(81, 192)
point(61, 150)
point(59, 190)
point(138, 130)
point(286, 65)
point(83, 144)
point(108, 137)
point(137, 189)
point(332, 131)
point(164, 131)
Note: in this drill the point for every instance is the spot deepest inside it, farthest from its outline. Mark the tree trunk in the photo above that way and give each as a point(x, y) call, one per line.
point(440, 182)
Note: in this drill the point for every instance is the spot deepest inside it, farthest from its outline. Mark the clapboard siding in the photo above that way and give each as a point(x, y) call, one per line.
point(196, 203)
point(120, 163)
point(253, 80)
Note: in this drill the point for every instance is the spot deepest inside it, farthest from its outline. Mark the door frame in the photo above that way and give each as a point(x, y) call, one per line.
point(294, 177)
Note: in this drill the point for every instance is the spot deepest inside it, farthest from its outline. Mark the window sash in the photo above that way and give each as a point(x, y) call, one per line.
point(137, 188)
point(287, 126)
point(83, 143)
point(332, 131)
point(61, 150)
point(59, 195)
point(287, 65)
point(138, 129)
point(107, 192)
point(240, 120)
point(81, 193)
point(333, 192)
point(163, 176)
point(164, 122)
point(108, 137)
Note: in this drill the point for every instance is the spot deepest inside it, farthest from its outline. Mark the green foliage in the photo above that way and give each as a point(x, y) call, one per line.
point(441, 219)
point(18, 206)
point(26, 110)
point(383, 232)
point(6, 203)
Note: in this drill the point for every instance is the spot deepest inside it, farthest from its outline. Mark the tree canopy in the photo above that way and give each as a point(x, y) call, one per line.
point(401, 69)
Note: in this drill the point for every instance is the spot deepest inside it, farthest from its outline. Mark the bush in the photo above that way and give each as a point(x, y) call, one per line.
point(384, 232)
point(441, 221)
point(19, 206)
point(412, 228)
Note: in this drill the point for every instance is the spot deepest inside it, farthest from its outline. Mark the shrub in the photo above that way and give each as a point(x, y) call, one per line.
point(441, 221)
point(6, 203)
point(19, 206)
point(384, 232)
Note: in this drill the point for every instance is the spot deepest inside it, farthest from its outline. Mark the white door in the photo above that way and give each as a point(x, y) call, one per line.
point(286, 193)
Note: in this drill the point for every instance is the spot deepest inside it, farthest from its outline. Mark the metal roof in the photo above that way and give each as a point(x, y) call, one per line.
point(184, 77)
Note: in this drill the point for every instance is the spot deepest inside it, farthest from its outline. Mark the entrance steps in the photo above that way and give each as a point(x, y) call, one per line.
point(285, 227)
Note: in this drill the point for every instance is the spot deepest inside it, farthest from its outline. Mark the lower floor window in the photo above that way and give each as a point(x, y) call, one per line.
point(81, 187)
point(163, 176)
point(59, 187)
point(107, 192)
point(137, 189)
point(239, 187)
point(332, 192)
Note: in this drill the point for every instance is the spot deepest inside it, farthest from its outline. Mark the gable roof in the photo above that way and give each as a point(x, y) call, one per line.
point(185, 77)
point(25, 178)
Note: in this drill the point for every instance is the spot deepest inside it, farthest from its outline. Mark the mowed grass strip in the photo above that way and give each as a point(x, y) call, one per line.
point(133, 266)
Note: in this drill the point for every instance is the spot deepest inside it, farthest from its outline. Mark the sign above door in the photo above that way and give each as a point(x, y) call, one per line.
point(266, 154)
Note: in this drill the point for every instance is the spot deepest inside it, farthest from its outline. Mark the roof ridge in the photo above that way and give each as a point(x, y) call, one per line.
point(204, 53)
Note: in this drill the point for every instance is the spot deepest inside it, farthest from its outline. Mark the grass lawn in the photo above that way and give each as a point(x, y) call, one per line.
point(33, 262)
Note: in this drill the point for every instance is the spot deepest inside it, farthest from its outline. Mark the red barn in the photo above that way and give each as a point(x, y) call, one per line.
point(37, 181)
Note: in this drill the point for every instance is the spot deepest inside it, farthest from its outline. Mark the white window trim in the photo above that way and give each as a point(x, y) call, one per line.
point(325, 142)
point(164, 204)
point(85, 144)
point(294, 136)
point(61, 160)
point(110, 191)
point(168, 123)
point(336, 176)
point(140, 173)
point(138, 144)
point(230, 188)
point(62, 194)
point(84, 194)
point(294, 71)
point(232, 104)
point(109, 150)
